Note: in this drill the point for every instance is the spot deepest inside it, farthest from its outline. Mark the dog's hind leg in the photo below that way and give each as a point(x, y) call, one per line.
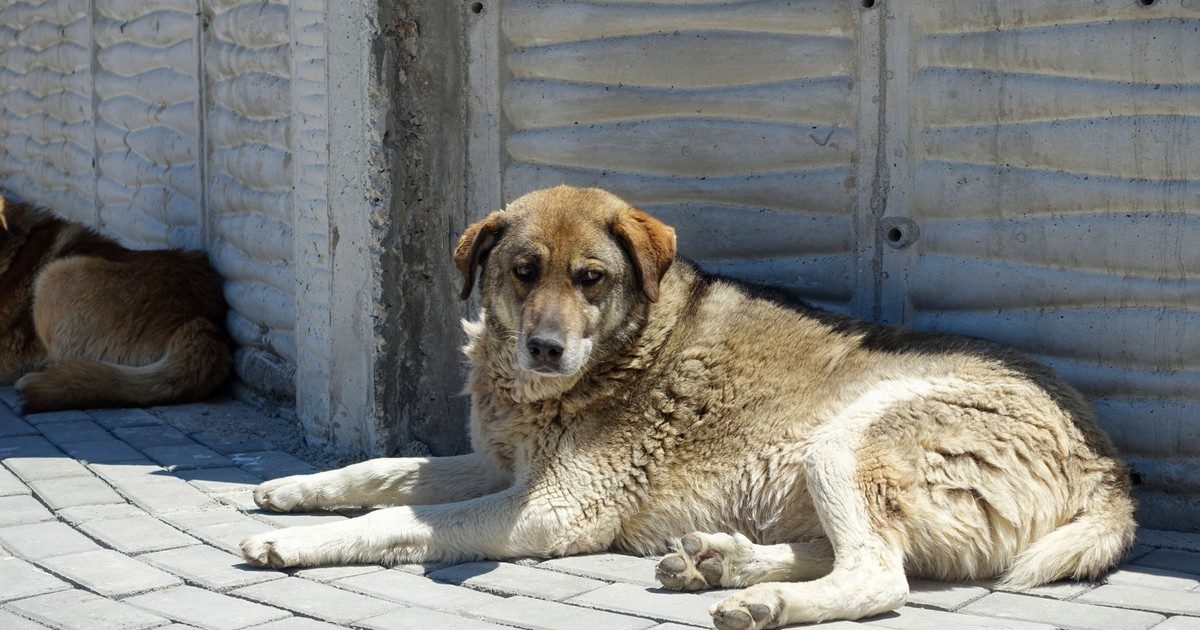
point(384, 482)
point(731, 560)
point(854, 487)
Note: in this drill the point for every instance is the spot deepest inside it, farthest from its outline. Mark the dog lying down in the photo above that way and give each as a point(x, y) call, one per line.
point(85, 322)
point(621, 399)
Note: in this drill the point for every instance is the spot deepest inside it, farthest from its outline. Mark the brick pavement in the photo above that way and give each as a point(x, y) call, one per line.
point(131, 519)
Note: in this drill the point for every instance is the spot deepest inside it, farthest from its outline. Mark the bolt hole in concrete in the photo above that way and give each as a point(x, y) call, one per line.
point(1146, 3)
point(867, 4)
point(895, 235)
point(478, 7)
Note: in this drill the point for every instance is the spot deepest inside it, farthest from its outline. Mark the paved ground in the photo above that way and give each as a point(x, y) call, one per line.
point(131, 519)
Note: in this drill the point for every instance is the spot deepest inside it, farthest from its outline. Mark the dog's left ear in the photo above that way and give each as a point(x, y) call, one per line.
point(650, 242)
point(473, 247)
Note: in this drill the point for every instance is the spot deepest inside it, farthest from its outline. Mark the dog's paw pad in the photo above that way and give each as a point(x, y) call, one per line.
point(744, 611)
point(701, 562)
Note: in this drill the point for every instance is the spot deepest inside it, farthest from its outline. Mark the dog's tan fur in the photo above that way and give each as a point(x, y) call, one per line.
point(816, 460)
point(85, 322)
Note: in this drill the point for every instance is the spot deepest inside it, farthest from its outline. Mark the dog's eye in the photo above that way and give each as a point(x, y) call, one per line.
point(591, 277)
point(524, 273)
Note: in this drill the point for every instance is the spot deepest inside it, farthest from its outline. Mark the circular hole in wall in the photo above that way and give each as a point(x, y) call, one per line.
point(867, 4)
point(895, 234)
point(1146, 3)
point(477, 7)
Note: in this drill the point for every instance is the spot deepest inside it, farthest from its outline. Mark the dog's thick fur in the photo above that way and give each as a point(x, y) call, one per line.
point(85, 322)
point(815, 460)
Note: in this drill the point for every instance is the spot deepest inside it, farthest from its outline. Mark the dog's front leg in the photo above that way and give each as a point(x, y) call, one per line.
point(512, 523)
point(383, 482)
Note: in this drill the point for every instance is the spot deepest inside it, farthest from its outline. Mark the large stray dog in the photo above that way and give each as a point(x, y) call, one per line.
point(621, 398)
point(90, 323)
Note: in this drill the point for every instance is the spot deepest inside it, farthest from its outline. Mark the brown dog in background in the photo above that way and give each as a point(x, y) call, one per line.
point(89, 323)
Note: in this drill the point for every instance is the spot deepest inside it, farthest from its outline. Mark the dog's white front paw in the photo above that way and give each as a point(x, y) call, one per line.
point(755, 608)
point(278, 549)
point(286, 494)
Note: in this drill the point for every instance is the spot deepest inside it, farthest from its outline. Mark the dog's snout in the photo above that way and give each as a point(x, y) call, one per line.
point(545, 351)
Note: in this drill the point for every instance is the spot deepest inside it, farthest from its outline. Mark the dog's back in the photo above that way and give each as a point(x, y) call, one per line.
point(109, 326)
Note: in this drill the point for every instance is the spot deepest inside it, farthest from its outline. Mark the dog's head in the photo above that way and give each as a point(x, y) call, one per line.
point(563, 269)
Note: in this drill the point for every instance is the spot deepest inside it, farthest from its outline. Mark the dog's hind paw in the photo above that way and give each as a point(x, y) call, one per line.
point(704, 561)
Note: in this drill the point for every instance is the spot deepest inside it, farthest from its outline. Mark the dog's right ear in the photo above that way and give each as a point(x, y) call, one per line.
point(473, 247)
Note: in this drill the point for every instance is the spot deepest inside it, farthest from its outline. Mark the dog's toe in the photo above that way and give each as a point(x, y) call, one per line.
point(752, 609)
point(702, 561)
point(677, 572)
point(281, 495)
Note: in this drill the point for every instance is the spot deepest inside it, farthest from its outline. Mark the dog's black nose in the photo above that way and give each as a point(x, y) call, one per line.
point(545, 351)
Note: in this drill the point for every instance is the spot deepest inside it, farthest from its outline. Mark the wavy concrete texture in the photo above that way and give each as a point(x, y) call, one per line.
point(247, 119)
point(734, 121)
point(1047, 156)
point(46, 104)
point(147, 122)
point(1053, 169)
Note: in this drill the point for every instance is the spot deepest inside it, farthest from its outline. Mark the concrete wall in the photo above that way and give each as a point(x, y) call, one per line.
point(1018, 170)
point(255, 130)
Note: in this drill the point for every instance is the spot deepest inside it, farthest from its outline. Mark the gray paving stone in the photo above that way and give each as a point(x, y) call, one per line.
point(1143, 598)
point(1069, 615)
point(511, 579)
point(139, 534)
point(115, 473)
point(612, 567)
point(420, 568)
point(241, 501)
point(109, 450)
point(56, 416)
point(22, 509)
point(1133, 575)
point(272, 464)
point(220, 480)
point(80, 610)
point(110, 573)
point(11, 424)
point(9, 396)
point(332, 574)
point(1169, 540)
point(421, 619)
point(73, 431)
point(313, 599)
point(230, 444)
point(47, 467)
point(1171, 560)
point(417, 591)
point(113, 418)
point(158, 494)
point(288, 520)
point(44, 540)
point(190, 520)
point(26, 446)
point(186, 456)
point(912, 618)
point(147, 436)
point(211, 568)
point(206, 609)
point(10, 621)
point(66, 492)
point(229, 536)
point(20, 579)
point(1058, 590)
point(10, 485)
point(534, 614)
point(1179, 623)
point(942, 595)
point(686, 608)
point(87, 513)
point(296, 623)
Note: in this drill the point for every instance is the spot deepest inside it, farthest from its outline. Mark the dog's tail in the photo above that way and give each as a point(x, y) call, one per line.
point(1084, 548)
point(196, 360)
